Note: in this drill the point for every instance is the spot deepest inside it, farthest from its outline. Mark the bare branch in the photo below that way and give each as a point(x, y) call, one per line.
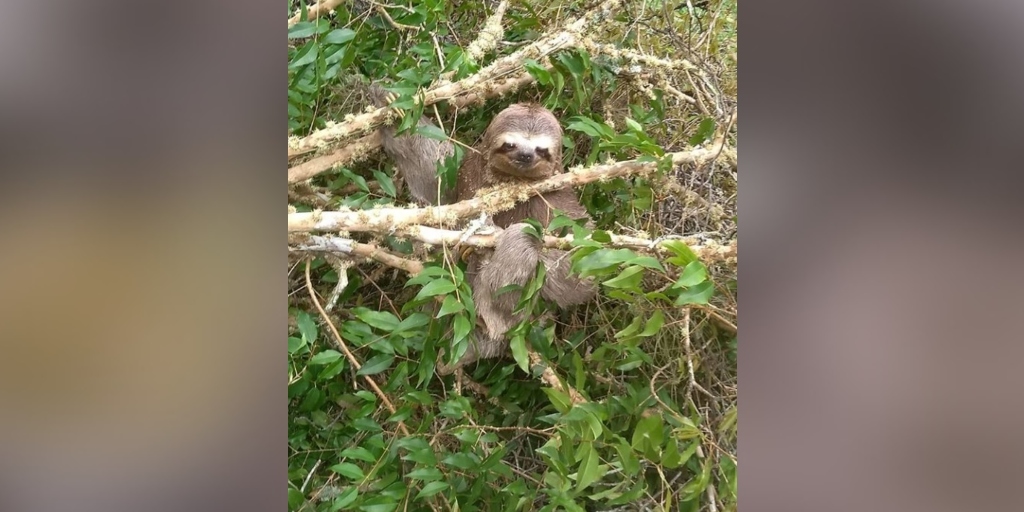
point(352, 152)
point(353, 249)
point(365, 146)
point(709, 252)
point(493, 200)
point(500, 68)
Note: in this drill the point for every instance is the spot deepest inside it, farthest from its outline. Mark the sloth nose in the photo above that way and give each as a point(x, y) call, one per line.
point(523, 157)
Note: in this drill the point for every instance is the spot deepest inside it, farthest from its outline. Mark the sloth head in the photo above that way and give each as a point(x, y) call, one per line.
point(525, 141)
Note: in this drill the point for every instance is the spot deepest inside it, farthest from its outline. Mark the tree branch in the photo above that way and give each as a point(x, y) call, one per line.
point(365, 146)
point(353, 249)
point(495, 199)
point(708, 252)
point(500, 68)
point(354, 151)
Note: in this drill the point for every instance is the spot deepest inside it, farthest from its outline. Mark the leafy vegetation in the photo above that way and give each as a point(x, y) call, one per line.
point(653, 357)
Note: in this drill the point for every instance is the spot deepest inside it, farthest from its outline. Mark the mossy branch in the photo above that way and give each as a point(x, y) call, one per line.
point(353, 249)
point(367, 145)
point(352, 152)
point(493, 200)
point(709, 252)
point(510, 65)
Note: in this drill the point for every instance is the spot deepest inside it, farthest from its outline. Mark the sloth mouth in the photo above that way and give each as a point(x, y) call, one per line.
point(532, 169)
point(520, 163)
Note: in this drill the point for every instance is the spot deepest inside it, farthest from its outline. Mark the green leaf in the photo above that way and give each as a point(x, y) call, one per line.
point(376, 364)
point(366, 424)
point(653, 324)
point(347, 469)
point(302, 29)
point(358, 453)
point(630, 463)
point(355, 178)
point(386, 183)
point(325, 357)
point(431, 489)
point(419, 450)
point(461, 328)
point(519, 353)
point(431, 132)
point(681, 250)
point(449, 306)
point(466, 461)
point(436, 287)
point(648, 434)
point(647, 261)
point(295, 344)
point(589, 470)
point(379, 507)
point(306, 325)
point(694, 273)
point(588, 126)
point(382, 320)
point(630, 329)
point(704, 131)
point(688, 452)
point(560, 221)
point(426, 275)
point(627, 279)
point(339, 36)
point(558, 398)
point(671, 458)
point(696, 486)
point(295, 499)
point(600, 235)
point(332, 370)
point(346, 498)
point(411, 322)
point(307, 54)
point(538, 71)
point(697, 294)
point(426, 474)
point(401, 414)
point(602, 259)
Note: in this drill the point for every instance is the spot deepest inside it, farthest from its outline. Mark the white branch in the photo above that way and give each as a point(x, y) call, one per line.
point(500, 68)
point(497, 199)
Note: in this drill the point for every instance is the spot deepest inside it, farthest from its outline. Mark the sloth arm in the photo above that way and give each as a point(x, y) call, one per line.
point(514, 262)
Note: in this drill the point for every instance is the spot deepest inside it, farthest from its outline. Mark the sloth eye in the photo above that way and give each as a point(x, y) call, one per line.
point(544, 153)
point(508, 146)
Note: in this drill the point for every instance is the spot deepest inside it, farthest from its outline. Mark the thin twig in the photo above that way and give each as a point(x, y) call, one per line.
point(309, 477)
point(344, 348)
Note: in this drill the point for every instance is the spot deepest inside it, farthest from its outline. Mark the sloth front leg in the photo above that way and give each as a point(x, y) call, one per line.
point(513, 261)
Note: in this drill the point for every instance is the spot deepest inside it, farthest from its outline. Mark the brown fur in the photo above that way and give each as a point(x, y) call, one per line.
point(416, 158)
point(490, 166)
point(516, 254)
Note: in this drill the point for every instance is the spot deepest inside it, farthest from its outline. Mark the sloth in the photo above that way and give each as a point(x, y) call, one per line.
point(522, 144)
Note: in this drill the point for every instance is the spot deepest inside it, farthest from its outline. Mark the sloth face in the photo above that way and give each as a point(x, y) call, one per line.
point(524, 141)
point(525, 155)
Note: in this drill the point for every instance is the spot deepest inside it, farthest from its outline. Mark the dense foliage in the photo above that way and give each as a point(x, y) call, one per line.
point(654, 357)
